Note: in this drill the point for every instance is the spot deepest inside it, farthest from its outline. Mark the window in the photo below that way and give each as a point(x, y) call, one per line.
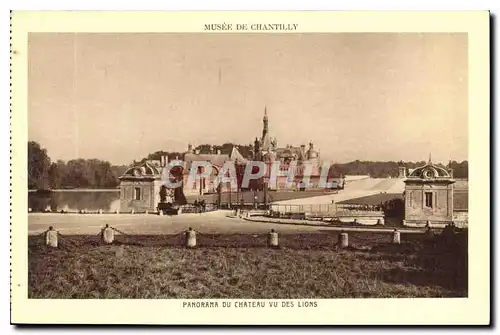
point(428, 199)
point(137, 193)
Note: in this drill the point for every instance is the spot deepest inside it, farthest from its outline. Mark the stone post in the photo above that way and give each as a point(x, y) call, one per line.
point(272, 239)
point(343, 240)
point(190, 238)
point(396, 237)
point(51, 238)
point(107, 235)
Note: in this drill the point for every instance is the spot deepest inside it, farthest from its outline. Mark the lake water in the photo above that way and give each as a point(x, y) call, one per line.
point(73, 201)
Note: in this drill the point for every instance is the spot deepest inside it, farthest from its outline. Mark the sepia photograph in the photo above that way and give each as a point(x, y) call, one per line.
point(275, 168)
point(109, 113)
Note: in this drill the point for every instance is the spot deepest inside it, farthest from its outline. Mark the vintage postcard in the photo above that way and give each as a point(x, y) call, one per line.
point(250, 168)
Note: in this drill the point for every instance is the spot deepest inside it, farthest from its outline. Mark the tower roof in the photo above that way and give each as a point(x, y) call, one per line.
point(236, 156)
point(144, 170)
point(265, 141)
point(430, 171)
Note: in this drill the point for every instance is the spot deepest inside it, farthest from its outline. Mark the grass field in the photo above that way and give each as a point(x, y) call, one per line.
point(307, 265)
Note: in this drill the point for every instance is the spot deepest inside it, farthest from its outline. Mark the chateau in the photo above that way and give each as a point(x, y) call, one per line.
point(295, 158)
point(140, 185)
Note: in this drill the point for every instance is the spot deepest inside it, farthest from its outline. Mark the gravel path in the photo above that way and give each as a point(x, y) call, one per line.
point(213, 222)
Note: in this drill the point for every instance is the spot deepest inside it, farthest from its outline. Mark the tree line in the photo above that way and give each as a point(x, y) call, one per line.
point(95, 173)
point(390, 169)
point(75, 173)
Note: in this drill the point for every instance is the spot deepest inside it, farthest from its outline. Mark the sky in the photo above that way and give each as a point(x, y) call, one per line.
point(366, 96)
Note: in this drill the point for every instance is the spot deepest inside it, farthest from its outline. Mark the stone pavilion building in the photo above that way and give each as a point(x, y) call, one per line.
point(428, 196)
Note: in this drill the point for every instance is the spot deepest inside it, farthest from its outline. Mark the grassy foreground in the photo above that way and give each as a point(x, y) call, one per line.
point(308, 265)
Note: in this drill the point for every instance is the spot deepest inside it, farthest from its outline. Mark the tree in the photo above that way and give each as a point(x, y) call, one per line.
point(460, 170)
point(54, 176)
point(38, 166)
point(76, 173)
point(89, 173)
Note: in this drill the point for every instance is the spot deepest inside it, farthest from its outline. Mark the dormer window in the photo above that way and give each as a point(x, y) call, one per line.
point(428, 174)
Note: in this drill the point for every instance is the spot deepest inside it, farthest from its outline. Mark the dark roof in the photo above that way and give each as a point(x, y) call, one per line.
point(237, 156)
point(461, 184)
point(430, 170)
point(461, 200)
point(145, 170)
point(375, 199)
point(288, 151)
point(217, 160)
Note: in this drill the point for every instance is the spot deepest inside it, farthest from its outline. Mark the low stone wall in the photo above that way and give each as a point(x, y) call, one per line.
point(255, 212)
point(423, 224)
point(315, 209)
point(461, 219)
point(364, 220)
point(362, 217)
point(345, 216)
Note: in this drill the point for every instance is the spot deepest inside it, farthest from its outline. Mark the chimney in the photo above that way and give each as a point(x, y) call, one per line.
point(450, 170)
point(190, 148)
point(162, 163)
point(401, 172)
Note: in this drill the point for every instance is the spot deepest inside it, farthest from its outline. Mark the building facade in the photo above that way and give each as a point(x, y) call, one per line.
point(217, 160)
point(292, 160)
point(428, 196)
point(141, 184)
point(140, 188)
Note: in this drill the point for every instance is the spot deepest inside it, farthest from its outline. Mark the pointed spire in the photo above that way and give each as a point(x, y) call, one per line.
point(265, 128)
point(430, 158)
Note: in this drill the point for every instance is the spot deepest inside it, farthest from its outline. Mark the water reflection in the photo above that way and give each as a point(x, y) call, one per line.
point(73, 201)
